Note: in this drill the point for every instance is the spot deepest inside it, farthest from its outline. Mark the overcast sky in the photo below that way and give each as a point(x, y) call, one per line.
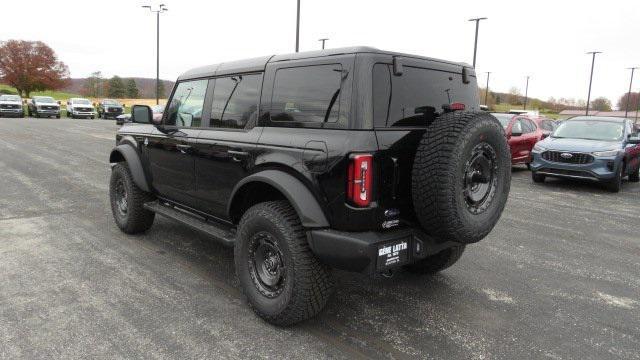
point(544, 39)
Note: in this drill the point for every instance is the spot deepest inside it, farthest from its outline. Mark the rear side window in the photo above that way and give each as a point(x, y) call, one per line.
point(185, 108)
point(235, 101)
point(417, 96)
point(528, 126)
point(547, 125)
point(307, 94)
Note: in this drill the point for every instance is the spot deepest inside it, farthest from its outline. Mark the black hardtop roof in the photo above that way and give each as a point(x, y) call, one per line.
point(259, 63)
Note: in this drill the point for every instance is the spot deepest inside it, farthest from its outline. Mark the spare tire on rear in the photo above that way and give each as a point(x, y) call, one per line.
point(461, 176)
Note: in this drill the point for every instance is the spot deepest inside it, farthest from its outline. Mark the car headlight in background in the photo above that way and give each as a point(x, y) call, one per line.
point(606, 153)
point(539, 148)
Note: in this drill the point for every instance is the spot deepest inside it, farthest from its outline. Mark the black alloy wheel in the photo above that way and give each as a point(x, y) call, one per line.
point(480, 178)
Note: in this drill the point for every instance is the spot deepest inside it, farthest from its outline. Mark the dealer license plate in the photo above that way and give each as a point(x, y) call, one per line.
point(393, 254)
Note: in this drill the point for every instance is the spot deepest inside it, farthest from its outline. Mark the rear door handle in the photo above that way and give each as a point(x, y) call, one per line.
point(237, 153)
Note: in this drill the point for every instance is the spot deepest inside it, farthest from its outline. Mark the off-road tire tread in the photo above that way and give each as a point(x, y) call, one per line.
point(438, 262)
point(313, 283)
point(433, 202)
point(139, 219)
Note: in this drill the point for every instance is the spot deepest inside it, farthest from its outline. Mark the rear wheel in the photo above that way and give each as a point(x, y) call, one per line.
point(127, 201)
point(438, 262)
point(537, 178)
point(282, 279)
point(461, 176)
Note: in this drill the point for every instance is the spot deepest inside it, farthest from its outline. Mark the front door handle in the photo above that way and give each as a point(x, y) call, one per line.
point(183, 148)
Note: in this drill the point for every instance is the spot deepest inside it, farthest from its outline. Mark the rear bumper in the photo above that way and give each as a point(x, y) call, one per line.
point(372, 252)
point(602, 169)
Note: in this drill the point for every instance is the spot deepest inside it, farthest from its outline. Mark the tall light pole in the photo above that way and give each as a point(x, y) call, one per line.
point(161, 8)
point(298, 28)
point(475, 44)
point(626, 107)
point(526, 93)
point(593, 61)
point(323, 40)
point(486, 90)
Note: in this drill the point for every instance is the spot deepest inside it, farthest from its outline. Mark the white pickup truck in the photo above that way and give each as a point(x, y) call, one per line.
point(80, 108)
point(11, 105)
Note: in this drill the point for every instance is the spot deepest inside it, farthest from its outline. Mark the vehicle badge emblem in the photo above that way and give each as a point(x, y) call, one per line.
point(566, 155)
point(146, 141)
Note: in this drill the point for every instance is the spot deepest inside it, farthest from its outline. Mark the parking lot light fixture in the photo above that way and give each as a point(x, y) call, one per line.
point(526, 93)
point(323, 41)
point(626, 107)
point(298, 27)
point(161, 8)
point(486, 90)
point(593, 61)
point(475, 44)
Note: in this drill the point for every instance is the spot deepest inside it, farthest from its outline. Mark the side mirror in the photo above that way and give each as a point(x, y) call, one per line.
point(545, 135)
point(94, 104)
point(141, 114)
point(633, 139)
point(59, 103)
point(397, 66)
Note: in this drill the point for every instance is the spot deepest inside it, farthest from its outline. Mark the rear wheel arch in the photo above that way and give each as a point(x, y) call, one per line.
point(270, 185)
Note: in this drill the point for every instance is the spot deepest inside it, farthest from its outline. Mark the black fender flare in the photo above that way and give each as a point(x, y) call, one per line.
point(300, 197)
point(132, 159)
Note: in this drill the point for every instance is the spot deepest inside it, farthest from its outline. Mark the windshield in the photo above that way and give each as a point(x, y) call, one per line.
point(590, 130)
point(82, 101)
point(9, 97)
point(46, 100)
point(504, 119)
point(111, 102)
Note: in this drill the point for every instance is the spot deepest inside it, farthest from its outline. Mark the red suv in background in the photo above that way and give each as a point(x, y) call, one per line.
point(523, 132)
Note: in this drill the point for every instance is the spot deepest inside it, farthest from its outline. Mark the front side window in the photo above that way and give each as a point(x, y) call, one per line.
point(418, 96)
point(307, 94)
point(235, 101)
point(185, 108)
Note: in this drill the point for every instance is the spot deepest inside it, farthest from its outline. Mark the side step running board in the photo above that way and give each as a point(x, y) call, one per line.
point(221, 234)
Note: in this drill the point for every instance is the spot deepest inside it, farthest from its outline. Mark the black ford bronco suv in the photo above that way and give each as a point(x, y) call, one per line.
point(356, 159)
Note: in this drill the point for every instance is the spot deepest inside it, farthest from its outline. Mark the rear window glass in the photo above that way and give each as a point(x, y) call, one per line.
point(417, 96)
point(307, 94)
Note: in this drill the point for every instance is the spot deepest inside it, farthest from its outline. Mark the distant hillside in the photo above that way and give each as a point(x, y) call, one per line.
point(146, 87)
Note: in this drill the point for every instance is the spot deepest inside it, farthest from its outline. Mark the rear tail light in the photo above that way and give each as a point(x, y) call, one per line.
point(360, 179)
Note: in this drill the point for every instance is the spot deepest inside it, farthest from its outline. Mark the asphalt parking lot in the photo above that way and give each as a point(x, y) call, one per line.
point(558, 278)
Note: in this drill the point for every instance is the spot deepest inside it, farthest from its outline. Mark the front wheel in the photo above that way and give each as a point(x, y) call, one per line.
point(537, 178)
point(635, 176)
point(282, 279)
point(127, 202)
point(615, 184)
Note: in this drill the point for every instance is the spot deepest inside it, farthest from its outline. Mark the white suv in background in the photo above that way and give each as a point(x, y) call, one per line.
point(80, 108)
